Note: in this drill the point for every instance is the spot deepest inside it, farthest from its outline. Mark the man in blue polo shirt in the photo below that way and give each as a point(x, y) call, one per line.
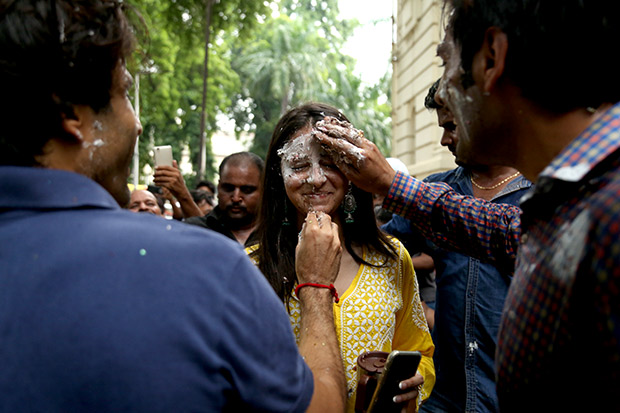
point(105, 310)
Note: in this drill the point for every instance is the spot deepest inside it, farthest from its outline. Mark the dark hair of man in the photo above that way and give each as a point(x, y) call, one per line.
point(161, 201)
point(208, 184)
point(199, 195)
point(429, 101)
point(558, 51)
point(240, 158)
point(277, 239)
point(55, 54)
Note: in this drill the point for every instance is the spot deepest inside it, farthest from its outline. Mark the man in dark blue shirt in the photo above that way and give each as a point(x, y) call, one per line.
point(470, 293)
point(104, 310)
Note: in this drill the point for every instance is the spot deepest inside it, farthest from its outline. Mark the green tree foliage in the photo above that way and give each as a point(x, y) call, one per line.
point(170, 70)
point(260, 65)
point(297, 59)
point(279, 70)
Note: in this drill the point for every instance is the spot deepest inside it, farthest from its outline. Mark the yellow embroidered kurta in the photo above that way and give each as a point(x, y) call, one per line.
point(381, 310)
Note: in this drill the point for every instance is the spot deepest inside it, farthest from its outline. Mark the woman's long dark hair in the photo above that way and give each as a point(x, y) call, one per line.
point(277, 217)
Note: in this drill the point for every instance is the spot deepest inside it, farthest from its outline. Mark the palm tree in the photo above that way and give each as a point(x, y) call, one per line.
point(285, 63)
point(291, 64)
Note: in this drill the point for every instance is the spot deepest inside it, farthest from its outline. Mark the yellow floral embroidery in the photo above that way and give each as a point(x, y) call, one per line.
point(381, 310)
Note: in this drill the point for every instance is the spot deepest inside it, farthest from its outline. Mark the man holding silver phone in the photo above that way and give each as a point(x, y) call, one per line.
point(169, 178)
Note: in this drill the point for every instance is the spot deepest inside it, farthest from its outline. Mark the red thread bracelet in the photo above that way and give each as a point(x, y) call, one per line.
point(329, 287)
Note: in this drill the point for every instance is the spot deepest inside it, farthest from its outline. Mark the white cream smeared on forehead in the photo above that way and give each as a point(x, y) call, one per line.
point(301, 160)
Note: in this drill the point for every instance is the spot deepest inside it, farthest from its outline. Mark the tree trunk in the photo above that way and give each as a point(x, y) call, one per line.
point(136, 152)
point(202, 155)
point(285, 101)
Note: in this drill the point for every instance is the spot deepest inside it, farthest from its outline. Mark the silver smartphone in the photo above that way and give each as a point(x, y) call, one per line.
point(162, 155)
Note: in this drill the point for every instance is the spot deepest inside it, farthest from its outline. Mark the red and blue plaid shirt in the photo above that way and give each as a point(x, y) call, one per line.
point(559, 343)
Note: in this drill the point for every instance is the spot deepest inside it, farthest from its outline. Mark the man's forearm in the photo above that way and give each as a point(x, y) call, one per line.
point(317, 260)
point(319, 347)
point(456, 222)
point(188, 206)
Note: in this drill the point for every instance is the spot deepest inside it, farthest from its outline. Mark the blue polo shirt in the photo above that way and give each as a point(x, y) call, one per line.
point(103, 310)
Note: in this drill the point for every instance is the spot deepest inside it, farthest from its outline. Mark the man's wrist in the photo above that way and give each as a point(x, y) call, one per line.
point(184, 195)
point(310, 294)
point(329, 287)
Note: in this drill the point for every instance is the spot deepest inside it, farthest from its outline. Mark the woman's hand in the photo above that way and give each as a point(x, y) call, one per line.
point(410, 398)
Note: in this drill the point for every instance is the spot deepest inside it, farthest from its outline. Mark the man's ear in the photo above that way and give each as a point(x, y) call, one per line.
point(72, 121)
point(491, 58)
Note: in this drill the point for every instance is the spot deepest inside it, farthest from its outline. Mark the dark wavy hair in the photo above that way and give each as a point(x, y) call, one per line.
point(55, 54)
point(558, 50)
point(277, 239)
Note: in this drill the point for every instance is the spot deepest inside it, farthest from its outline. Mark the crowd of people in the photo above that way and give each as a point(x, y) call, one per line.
point(263, 291)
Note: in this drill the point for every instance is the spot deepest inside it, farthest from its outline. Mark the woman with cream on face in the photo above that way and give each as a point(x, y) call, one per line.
point(311, 179)
point(379, 306)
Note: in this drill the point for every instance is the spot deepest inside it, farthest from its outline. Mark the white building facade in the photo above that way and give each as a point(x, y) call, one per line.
point(415, 134)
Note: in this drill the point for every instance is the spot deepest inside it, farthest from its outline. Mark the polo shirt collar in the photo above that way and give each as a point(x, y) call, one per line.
point(41, 188)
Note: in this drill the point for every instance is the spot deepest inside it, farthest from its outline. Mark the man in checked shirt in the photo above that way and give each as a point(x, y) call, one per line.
point(521, 78)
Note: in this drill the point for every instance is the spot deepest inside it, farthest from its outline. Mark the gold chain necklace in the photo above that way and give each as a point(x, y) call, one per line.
point(500, 183)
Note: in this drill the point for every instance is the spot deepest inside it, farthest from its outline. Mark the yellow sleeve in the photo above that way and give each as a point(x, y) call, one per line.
point(412, 332)
point(249, 250)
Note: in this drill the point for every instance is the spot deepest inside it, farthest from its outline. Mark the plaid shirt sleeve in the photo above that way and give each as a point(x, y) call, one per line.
point(472, 226)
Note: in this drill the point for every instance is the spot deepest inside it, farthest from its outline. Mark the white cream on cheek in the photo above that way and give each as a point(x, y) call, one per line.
point(451, 90)
point(97, 128)
point(460, 116)
point(458, 102)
